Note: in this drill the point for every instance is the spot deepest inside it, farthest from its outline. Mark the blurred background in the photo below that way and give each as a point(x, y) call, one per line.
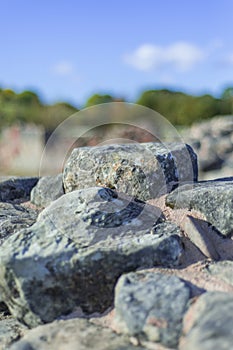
point(58, 57)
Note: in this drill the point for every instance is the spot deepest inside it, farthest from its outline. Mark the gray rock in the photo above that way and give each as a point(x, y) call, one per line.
point(212, 141)
point(47, 190)
point(144, 170)
point(212, 323)
point(10, 331)
point(151, 306)
point(17, 189)
point(75, 334)
point(77, 249)
point(13, 218)
point(222, 270)
point(212, 198)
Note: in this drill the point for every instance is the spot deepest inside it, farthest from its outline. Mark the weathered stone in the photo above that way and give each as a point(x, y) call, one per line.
point(77, 249)
point(10, 331)
point(151, 305)
point(144, 170)
point(75, 334)
point(212, 141)
point(17, 189)
point(13, 218)
point(47, 190)
point(212, 198)
point(211, 321)
point(222, 270)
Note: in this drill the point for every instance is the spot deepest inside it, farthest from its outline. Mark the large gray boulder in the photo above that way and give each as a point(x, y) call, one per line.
point(151, 306)
point(75, 334)
point(212, 198)
point(144, 170)
point(209, 324)
point(47, 190)
point(72, 256)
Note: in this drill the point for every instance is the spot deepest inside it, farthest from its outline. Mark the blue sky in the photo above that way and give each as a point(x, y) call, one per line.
point(68, 50)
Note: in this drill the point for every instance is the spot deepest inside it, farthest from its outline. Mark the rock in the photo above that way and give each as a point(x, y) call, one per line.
point(74, 253)
point(151, 306)
point(47, 190)
point(222, 270)
point(144, 170)
point(13, 218)
point(10, 331)
point(212, 198)
point(76, 334)
point(212, 141)
point(209, 323)
point(199, 233)
point(17, 189)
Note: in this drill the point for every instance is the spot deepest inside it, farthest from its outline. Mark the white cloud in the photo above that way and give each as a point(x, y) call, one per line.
point(181, 55)
point(63, 68)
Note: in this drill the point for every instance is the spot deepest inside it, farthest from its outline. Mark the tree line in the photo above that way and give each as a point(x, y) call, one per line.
point(178, 107)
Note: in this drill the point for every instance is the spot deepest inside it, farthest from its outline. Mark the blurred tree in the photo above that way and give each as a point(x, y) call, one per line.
point(98, 99)
point(28, 98)
point(52, 116)
point(180, 108)
point(227, 98)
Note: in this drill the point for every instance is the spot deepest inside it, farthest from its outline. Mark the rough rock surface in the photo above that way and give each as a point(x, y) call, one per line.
point(47, 190)
point(10, 331)
point(213, 199)
point(66, 265)
point(208, 324)
point(78, 334)
point(223, 270)
point(212, 140)
point(77, 249)
point(14, 217)
point(17, 189)
point(142, 170)
point(145, 303)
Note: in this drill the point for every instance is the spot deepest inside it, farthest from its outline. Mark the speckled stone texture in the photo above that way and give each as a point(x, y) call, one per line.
point(151, 306)
point(74, 253)
point(144, 170)
point(10, 331)
point(14, 217)
point(211, 198)
point(209, 324)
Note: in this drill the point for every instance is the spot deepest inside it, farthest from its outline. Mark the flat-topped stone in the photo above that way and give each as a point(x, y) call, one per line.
point(144, 170)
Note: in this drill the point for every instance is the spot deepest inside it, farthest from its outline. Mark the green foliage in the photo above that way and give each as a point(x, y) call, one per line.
point(28, 98)
point(98, 99)
point(26, 107)
point(179, 108)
